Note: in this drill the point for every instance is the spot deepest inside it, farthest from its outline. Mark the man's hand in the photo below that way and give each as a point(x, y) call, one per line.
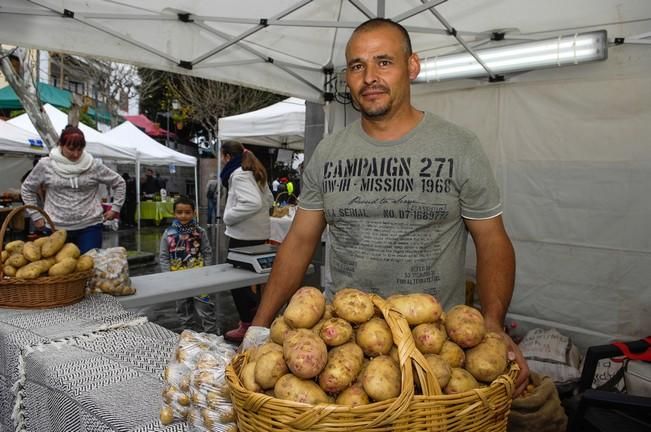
point(255, 336)
point(515, 354)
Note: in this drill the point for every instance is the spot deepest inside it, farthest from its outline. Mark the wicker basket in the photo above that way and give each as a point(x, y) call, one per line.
point(484, 409)
point(43, 292)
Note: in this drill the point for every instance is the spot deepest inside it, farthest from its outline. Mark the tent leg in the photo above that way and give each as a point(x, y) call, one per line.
point(138, 199)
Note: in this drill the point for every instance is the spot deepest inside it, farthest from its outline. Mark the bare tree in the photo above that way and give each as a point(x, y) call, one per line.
point(17, 68)
point(113, 82)
point(209, 100)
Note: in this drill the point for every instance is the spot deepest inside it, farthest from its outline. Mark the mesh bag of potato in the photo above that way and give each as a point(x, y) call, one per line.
point(365, 363)
point(195, 387)
point(111, 272)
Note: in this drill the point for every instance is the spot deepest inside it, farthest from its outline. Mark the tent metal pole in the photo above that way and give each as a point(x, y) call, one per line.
point(196, 193)
point(138, 197)
point(216, 226)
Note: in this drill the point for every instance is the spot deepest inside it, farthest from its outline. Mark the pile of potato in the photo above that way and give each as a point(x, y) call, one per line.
point(45, 256)
point(344, 353)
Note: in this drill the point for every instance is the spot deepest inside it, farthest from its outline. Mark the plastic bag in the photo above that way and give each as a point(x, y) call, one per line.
point(195, 384)
point(111, 274)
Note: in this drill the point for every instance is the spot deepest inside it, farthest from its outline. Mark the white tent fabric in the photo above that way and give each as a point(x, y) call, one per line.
point(287, 46)
point(279, 125)
point(96, 144)
point(573, 160)
point(17, 140)
point(149, 152)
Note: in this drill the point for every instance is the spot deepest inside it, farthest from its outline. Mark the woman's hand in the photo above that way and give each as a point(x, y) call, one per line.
point(110, 215)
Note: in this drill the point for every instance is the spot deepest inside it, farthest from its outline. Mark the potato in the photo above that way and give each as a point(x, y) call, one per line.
point(289, 387)
point(429, 338)
point(353, 305)
point(460, 381)
point(5, 255)
point(269, 368)
point(279, 330)
point(15, 246)
point(453, 354)
point(53, 244)
point(487, 360)
point(30, 271)
point(9, 270)
point(305, 308)
point(305, 353)
point(84, 263)
point(382, 378)
point(416, 308)
point(353, 396)
point(16, 260)
point(166, 415)
point(265, 348)
point(66, 266)
point(335, 331)
point(440, 368)
point(344, 363)
point(31, 252)
point(329, 312)
point(374, 337)
point(69, 250)
point(39, 241)
point(465, 326)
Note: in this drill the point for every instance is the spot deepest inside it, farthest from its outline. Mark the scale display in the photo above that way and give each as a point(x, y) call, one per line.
point(258, 258)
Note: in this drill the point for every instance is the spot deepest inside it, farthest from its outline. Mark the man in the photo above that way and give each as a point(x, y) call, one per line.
point(399, 190)
point(149, 186)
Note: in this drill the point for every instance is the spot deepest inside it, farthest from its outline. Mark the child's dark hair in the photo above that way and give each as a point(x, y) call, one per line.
point(183, 200)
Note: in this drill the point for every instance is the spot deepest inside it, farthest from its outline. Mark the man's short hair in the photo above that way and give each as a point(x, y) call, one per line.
point(375, 23)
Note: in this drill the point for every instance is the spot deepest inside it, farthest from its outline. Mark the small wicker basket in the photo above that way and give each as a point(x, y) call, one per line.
point(479, 410)
point(43, 292)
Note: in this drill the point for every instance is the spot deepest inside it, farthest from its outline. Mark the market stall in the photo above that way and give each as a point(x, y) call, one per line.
point(150, 152)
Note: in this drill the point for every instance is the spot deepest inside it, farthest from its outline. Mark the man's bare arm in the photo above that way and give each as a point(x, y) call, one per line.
point(290, 264)
point(495, 280)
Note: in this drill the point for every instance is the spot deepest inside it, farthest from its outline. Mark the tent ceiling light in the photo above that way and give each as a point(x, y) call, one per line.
point(561, 51)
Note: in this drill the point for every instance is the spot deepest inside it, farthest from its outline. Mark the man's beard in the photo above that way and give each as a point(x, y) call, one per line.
point(377, 111)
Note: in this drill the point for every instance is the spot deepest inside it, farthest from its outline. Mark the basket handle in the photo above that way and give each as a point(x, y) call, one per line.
point(8, 219)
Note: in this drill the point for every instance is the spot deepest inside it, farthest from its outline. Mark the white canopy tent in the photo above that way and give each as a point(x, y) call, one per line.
point(16, 147)
point(149, 152)
point(14, 139)
point(96, 143)
point(280, 125)
point(569, 145)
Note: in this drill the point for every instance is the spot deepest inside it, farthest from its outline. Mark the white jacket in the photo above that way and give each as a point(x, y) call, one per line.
point(246, 215)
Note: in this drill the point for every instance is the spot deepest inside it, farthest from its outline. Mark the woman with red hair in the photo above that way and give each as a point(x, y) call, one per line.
point(71, 178)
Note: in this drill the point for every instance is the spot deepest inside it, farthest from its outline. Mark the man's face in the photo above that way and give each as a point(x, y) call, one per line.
point(379, 71)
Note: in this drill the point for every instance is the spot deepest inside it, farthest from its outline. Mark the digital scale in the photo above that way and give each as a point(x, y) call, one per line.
point(258, 258)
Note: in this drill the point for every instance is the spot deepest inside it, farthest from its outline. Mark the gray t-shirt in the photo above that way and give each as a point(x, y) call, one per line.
point(395, 209)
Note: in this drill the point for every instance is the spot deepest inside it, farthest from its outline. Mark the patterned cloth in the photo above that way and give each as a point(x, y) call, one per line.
point(82, 359)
